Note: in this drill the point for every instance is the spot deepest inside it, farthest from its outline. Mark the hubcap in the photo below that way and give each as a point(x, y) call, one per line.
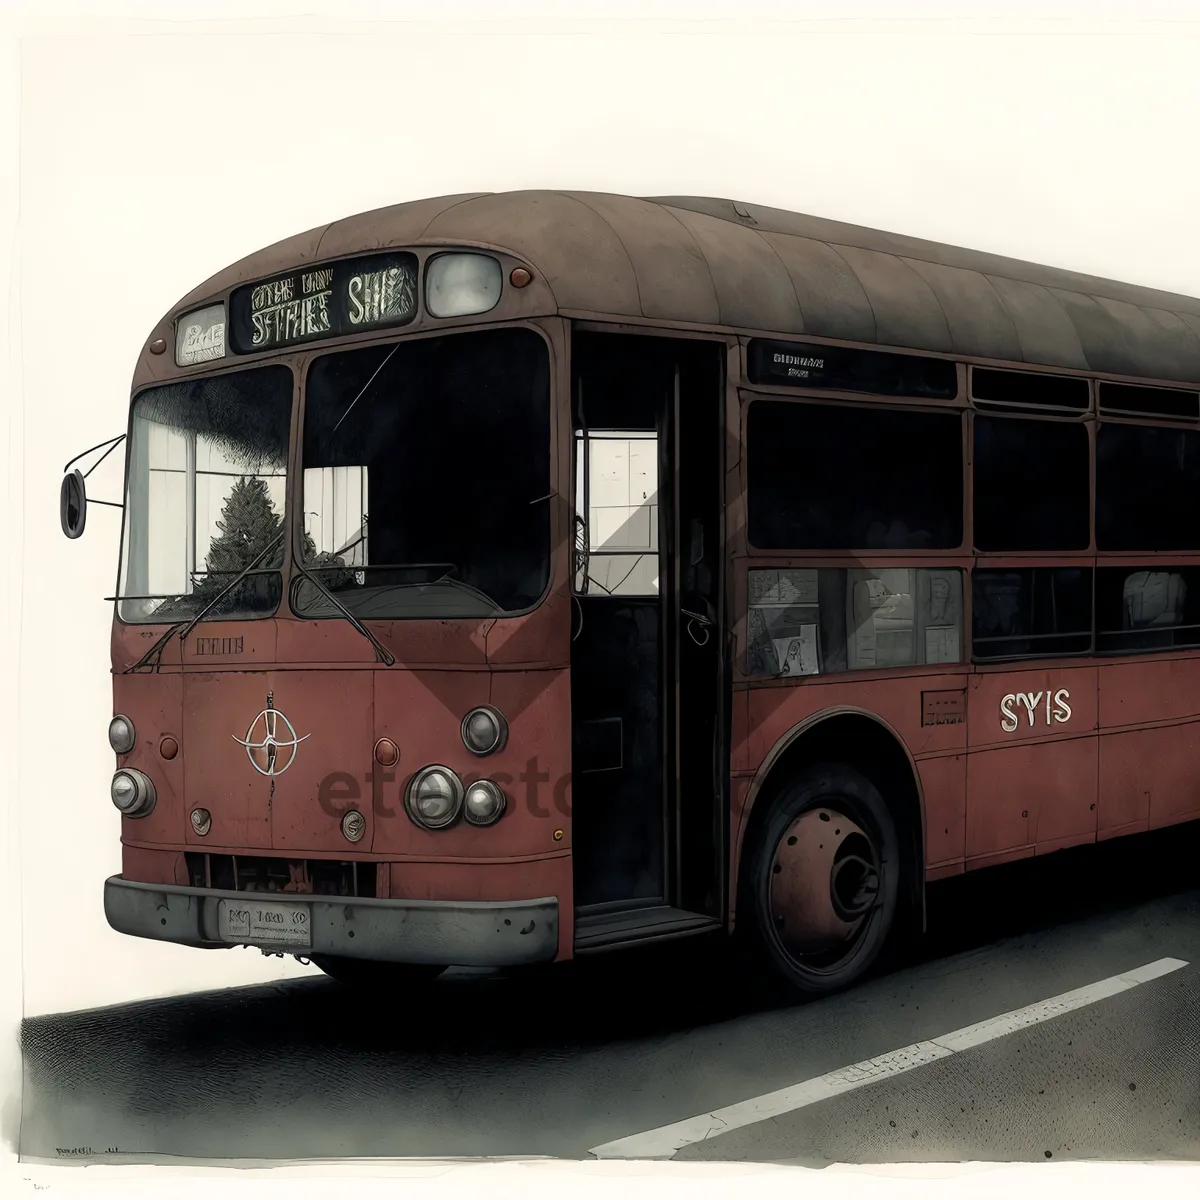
point(824, 883)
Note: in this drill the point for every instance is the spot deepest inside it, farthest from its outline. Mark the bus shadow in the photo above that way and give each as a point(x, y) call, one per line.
point(661, 990)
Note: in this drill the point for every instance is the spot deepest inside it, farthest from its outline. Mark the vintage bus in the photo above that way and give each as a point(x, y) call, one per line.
point(506, 578)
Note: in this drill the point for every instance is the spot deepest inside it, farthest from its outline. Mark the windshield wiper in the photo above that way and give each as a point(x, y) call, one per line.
point(184, 628)
point(381, 652)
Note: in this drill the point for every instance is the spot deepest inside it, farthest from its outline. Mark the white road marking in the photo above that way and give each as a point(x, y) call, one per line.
point(666, 1140)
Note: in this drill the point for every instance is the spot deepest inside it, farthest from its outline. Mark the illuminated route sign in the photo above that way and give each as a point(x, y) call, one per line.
point(324, 301)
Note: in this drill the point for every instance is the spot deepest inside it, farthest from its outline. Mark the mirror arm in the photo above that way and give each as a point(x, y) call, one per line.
point(111, 443)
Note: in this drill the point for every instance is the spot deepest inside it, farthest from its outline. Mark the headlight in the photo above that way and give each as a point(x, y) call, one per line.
point(484, 731)
point(484, 803)
point(133, 793)
point(461, 285)
point(434, 797)
point(121, 735)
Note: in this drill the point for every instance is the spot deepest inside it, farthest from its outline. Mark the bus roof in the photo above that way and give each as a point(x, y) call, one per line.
point(721, 264)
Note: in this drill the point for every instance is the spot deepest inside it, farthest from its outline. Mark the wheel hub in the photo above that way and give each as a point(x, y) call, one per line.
point(824, 882)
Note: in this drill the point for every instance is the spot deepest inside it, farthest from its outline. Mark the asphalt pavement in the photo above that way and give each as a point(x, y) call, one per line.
point(671, 1053)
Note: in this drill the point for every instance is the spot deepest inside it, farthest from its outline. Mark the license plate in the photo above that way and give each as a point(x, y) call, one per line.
point(265, 921)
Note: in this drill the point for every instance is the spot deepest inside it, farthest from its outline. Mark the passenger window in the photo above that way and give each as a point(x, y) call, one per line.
point(853, 478)
point(1035, 612)
point(821, 621)
point(1147, 488)
point(1032, 485)
point(616, 485)
point(1147, 608)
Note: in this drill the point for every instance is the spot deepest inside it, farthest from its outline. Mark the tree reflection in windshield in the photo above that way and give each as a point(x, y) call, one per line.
point(424, 465)
point(205, 498)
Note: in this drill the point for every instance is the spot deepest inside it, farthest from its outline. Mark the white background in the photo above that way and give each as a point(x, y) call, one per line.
point(142, 153)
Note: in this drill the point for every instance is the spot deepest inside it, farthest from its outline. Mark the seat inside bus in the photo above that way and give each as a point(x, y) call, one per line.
point(1152, 601)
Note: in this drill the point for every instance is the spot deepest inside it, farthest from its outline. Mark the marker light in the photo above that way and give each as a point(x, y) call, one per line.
point(434, 797)
point(484, 730)
point(461, 285)
point(121, 735)
point(354, 825)
point(133, 793)
point(484, 803)
point(200, 336)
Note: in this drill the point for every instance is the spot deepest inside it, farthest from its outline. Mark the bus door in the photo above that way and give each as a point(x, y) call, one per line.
point(650, 756)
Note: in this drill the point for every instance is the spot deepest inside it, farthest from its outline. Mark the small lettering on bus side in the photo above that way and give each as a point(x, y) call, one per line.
point(943, 708)
point(219, 645)
point(1040, 708)
point(798, 365)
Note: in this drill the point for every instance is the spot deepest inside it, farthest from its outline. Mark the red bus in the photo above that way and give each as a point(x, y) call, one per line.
point(506, 578)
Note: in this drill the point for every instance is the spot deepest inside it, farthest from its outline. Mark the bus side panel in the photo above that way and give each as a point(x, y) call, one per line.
point(1033, 762)
point(925, 713)
point(898, 701)
point(1149, 777)
point(944, 786)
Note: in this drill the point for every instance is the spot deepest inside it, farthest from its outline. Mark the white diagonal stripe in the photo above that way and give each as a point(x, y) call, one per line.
point(667, 1139)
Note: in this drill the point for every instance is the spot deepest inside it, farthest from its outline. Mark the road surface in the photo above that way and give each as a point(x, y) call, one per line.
point(1097, 951)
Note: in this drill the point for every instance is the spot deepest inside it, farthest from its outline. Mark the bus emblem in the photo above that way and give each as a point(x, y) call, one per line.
point(271, 755)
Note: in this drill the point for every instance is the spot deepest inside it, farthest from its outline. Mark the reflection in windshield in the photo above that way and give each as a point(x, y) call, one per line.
point(205, 498)
point(426, 468)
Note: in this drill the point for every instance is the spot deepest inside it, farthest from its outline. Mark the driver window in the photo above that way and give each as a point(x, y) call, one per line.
point(616, 486)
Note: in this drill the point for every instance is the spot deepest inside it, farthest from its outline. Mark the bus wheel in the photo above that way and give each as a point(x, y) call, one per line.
point(362, 973)
point(825, 873)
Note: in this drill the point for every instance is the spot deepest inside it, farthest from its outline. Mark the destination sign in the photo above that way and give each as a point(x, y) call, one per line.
point(837, 368)
point(323, 302)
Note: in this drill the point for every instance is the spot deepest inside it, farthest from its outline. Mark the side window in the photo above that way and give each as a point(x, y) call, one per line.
point(826, 477)
point(820, 621)
point(1032, 488)
point(616, 523)
point(1033, 612)
point(1147, 608)
point(1147, 488)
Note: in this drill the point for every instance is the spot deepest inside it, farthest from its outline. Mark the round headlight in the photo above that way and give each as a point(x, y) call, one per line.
point(132, 793)
point(121, 736)
point(434, 797)
point(484, 803)
point(484, 731)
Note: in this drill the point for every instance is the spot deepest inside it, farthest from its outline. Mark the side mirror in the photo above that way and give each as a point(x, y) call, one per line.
point(72, 504)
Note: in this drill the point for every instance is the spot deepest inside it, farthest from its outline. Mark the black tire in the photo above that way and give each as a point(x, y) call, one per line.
point(363, 973)
point(821, 937)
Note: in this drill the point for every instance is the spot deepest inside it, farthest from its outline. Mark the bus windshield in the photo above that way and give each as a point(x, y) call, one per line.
point(205, 497)
point(427, 478)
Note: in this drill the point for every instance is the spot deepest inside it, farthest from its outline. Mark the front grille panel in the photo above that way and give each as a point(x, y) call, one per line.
point(254, 873)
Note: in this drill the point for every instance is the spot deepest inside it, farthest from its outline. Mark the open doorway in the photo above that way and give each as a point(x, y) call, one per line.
point(648, 658)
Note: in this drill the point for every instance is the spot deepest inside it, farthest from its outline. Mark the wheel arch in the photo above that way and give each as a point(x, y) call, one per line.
point(865, 741)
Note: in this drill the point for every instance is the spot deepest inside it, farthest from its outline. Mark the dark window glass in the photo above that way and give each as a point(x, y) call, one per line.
point(824, 477)
point(427, 477)
point(1035, 612)
point(1160, 402)
point(1023, 387)
point(1147, 608)
point(1032, 485)
point(836, 368)
point(1147, 488)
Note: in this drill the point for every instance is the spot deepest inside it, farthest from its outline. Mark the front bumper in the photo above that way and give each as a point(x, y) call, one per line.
point(441, 932)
